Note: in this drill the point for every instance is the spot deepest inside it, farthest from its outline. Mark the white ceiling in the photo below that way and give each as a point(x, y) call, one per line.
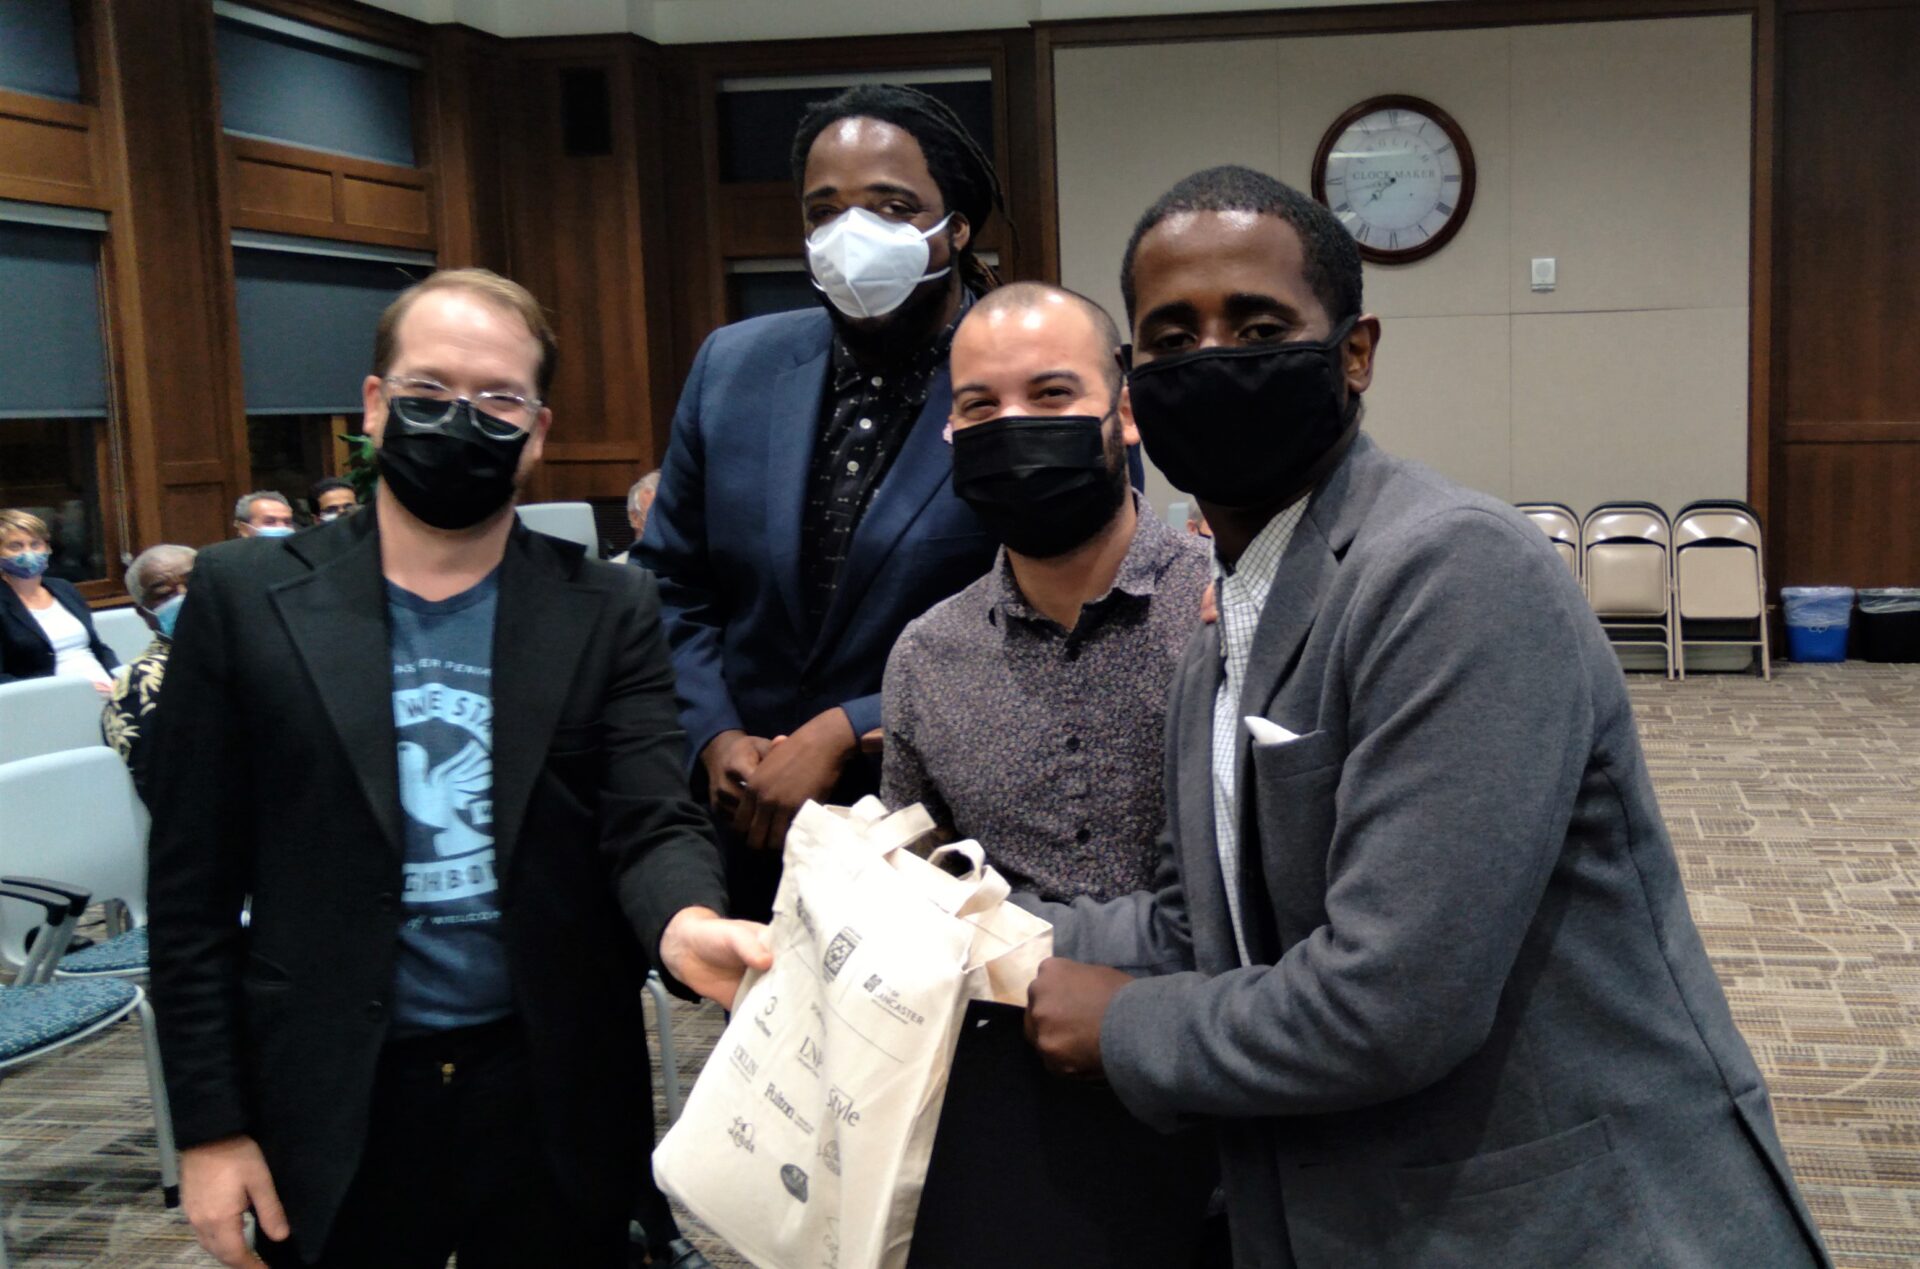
point(704, 21)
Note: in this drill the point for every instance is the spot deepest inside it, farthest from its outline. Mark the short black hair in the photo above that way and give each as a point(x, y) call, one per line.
point(327, 484)
point(1332, 258)
point(1032, 294)
point(959, 165)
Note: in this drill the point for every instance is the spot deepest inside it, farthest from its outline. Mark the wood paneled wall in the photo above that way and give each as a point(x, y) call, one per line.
point(1845, 463)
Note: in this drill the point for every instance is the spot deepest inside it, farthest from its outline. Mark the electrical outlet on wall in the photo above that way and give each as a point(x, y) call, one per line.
point(1545, 272)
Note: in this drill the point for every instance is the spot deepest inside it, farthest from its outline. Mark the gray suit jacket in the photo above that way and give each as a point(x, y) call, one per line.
point(1482, 1029)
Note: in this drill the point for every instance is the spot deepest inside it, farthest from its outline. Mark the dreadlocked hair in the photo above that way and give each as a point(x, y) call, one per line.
point(960, 167)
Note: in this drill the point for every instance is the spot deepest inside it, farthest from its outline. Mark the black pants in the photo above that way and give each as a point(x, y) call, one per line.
point(454, 1162)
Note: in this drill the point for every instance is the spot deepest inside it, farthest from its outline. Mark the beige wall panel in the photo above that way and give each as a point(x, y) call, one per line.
point(1649, 405)
point(1465, 74)
point(1440, 395)
point(1634, 139)
point(1130, 121)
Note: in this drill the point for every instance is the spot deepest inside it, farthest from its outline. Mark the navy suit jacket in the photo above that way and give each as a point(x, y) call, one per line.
point(724, 539)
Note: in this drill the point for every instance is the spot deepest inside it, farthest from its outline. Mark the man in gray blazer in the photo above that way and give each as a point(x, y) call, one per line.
point(1419, 949)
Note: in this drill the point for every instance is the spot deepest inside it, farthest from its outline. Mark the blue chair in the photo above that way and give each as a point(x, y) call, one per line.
point(38, 1018)
point(75, 816)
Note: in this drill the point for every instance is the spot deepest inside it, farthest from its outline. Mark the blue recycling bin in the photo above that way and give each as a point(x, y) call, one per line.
point(1817, 619)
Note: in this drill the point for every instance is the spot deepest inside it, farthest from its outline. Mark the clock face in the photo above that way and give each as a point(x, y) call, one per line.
point(1399, 174)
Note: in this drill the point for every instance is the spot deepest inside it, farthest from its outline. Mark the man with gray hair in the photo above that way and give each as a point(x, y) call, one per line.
point(157, 580)
point(639, 502)
point(263, 514)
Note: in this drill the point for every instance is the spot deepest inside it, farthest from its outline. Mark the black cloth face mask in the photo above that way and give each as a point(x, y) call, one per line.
point(1246, 427)
point(447, 463)
point(1041, 485)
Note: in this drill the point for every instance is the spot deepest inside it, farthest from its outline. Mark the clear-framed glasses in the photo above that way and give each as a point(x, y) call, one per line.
point(426, 403)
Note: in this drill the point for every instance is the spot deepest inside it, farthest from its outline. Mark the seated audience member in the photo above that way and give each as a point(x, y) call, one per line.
point(1028, 711)
point(1419, 951)
point(263, 514)
point(157, 580)
point(332, 498)
point(639, 502)
point(45, 627)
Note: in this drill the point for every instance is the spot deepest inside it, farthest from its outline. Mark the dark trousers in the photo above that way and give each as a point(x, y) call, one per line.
point(454, 1162)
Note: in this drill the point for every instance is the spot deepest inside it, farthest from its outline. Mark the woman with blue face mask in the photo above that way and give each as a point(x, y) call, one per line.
point(45, 627)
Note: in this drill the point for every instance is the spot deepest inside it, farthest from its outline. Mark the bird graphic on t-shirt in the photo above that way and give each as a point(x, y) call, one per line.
point(436, 798)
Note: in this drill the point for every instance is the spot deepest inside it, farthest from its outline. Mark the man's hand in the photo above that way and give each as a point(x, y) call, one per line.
point(219, 1181)
point(731, 759)
point(710, 954)
point(795, 768)
point(1064, 1007)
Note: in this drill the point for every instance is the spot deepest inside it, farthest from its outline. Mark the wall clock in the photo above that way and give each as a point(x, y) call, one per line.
point(1398, 172)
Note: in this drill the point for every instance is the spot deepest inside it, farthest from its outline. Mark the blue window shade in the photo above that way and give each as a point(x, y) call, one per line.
point(306, 327)
point(284, 90)
point(52, 358)
point(757, 125)
point(37, 49)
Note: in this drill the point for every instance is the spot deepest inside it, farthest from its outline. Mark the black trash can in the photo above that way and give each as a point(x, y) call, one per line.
point(1887, 627)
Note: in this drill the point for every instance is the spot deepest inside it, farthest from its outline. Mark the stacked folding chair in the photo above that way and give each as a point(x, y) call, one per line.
point(1627, 567)
point(1562, 528)
point(1720, 580)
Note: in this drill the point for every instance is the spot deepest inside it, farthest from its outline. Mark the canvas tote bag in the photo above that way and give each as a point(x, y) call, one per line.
point(805, 1141)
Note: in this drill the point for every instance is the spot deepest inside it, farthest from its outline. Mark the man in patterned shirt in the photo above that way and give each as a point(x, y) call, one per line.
point(1027, 711)
point(157, 580)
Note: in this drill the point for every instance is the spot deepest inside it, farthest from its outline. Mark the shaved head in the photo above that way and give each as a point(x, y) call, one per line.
point(1024, 297)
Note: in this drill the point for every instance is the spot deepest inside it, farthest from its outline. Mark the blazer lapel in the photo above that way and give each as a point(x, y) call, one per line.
point(1200, 877)
point(336, 618)
point(793, 421)
point(542, 626)
point(924, 464)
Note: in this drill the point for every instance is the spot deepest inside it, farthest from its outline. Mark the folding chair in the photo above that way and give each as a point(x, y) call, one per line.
point(75, 816)
point(46, 715)
point(1562, 528)
point(1720, 581)
point(1627, 566)
point(669, 1061)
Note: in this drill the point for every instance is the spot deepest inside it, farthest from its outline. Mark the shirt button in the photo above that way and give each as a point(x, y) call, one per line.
point(1073, 654)
point(1073, 744)
point(866, 425)
point(877, 381)
point(1084, 836)
point(375, 1011)
point(853, 466)
point(385, 900)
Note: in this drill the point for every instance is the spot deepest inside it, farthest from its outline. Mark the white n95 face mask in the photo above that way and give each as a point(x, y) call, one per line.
point(868, 265)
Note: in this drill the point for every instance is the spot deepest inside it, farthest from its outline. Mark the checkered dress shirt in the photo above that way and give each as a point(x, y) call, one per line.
point(1239, 596)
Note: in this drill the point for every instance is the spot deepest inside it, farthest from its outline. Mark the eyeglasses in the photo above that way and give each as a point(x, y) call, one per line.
point(426, 403)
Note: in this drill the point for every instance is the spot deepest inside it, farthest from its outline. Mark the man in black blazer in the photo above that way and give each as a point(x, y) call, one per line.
point(437, 753)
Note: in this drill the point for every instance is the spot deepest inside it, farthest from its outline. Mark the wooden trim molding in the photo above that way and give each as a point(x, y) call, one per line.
point(1363, 19)
point(50, 152)
point(289, 189)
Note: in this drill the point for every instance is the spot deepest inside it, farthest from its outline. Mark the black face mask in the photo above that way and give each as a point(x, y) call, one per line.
point(1247, 427)
point(452, 472)
point(1042, 486)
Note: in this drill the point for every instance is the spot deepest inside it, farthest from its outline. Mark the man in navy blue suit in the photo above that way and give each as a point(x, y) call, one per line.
point(805, 513)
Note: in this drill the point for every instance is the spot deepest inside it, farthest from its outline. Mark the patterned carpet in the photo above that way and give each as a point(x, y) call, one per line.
point(1795, 807)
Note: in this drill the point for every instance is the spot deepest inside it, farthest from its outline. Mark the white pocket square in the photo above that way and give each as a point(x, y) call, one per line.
point(1267, 732)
